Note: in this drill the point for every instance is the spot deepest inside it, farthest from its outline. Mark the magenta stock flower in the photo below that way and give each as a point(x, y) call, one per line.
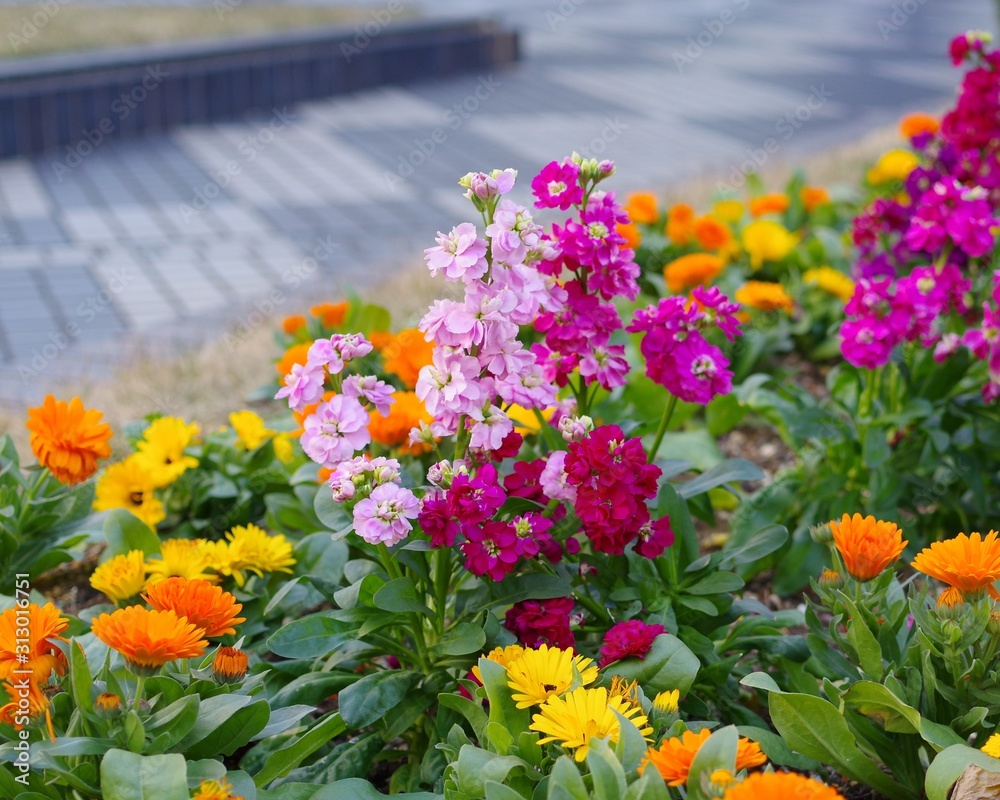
point(557, 185)
point(474, 499)
point(629, 639)
point(536, 622)
point(654, 537)
point(491, 549)
point(337, 429)
point(384, 516)
point(437, 522)
point(461, 254)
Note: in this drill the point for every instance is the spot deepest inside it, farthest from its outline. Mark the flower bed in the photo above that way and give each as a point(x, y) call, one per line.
point(479, 559)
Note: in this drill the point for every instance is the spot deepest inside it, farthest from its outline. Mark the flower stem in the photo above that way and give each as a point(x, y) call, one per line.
point(140, 683)
point(442, 580)
point(668, 412)
point(593, 607)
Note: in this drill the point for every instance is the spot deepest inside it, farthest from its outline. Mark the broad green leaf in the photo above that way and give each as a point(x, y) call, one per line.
point(760, 544)
point(310, 637)
point(472, 711)
point(815, 728)
point(399, 595)
point(349, 789)
point(503, 710)
point(948, 766)
point(649, 787)
point(80, 679)
point(669, 664)
point(732, 470)
point(225, 723)
point(533, 586)
point(311, 688)
point(605, 771)
point(126, 532)
point(497, 791)
point(565, 782)
point(369, 699)
point(282, 719)
point(128, 776)
point(631, 747)
point(282, 761)
point(475, 766)
point(460, 640)
point(716, 583)
point(876, 702)
point(171, 724)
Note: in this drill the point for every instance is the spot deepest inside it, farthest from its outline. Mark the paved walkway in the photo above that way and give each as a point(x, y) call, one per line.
point(171, 238)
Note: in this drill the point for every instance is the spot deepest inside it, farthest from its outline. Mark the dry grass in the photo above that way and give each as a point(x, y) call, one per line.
point(28, 30)
point(206, 383)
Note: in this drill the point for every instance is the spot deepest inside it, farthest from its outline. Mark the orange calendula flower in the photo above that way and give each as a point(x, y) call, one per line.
point(674, 756)
point(394, 430)
point(25, 704)
point(765, 296)
point(379, 340)
point(696, 269)
point(68, 439)
point(230, 664)
point(406, 354)
point(780, 785)
point(866, 545)
point(642, 207)
point(296, 354)
point(769, 204)
point(915, 124)
point(149, 639)
point(950, 598)
point(293, 324)
point(813, 197)
point(631, 234)
point(30, 633)
point(205, 605)
point(969, 563)
point(680, 224)
point(711, 233)
point(332, 314)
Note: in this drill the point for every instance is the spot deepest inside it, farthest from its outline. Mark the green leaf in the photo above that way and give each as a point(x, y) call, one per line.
point(864, 643)
point(473, 712)
point(815, 728)
point(128, 776)
point(948, 766)
point(310, 637)
point(225, 723)
point(370, 698)
point(631, 747)
point(731, 470)
point(475, 766)
point(282, 761)
point(533, 586)
point(400, 596)
point(716, 583)
point(331, 513)
point(282, 719)
point(349, 789)
point(670, 664)
point(311, 688)
point(503, 710)
point(171, 724)
point(760, 544)
point(497, 791)
point(565, 782)
point(649, 787)
point(876, 702)
point(66, 746)
point(605, 771)
point(80, 679)
point(126, 532)
point(460, 640)
point(718, 752)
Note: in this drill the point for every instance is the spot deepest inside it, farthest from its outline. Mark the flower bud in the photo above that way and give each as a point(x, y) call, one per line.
point(573, 429)
point(830, 579)
point(108, 706)
point(667, 702)
point(951, 631)
point(821, 534)
point(229, 665)
point(993, 626)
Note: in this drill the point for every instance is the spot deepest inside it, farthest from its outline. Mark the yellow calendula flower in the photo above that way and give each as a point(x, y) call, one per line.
point(214, 790)
point(830, 281)
point(284, 450)
point(250, 549)
point(121, 577)
point(896, 165)
point(502, 656)
point(251, 431)
point(129, 485)
point(668, 701)
point(582, 715)
point(546, 671)
point(992, 746)
point(161, 449)
point(767, 240)
point(182, 558)
point(730, 211)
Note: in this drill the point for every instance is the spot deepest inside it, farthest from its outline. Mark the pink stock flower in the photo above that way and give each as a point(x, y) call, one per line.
point(303, 386)
point(557, 185)
point(512, 233)
point(461, 254)
point(375, 391)
point(337, 429)
point(384, 516)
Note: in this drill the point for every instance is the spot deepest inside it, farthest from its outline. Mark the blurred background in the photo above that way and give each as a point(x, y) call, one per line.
point(129, 240)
